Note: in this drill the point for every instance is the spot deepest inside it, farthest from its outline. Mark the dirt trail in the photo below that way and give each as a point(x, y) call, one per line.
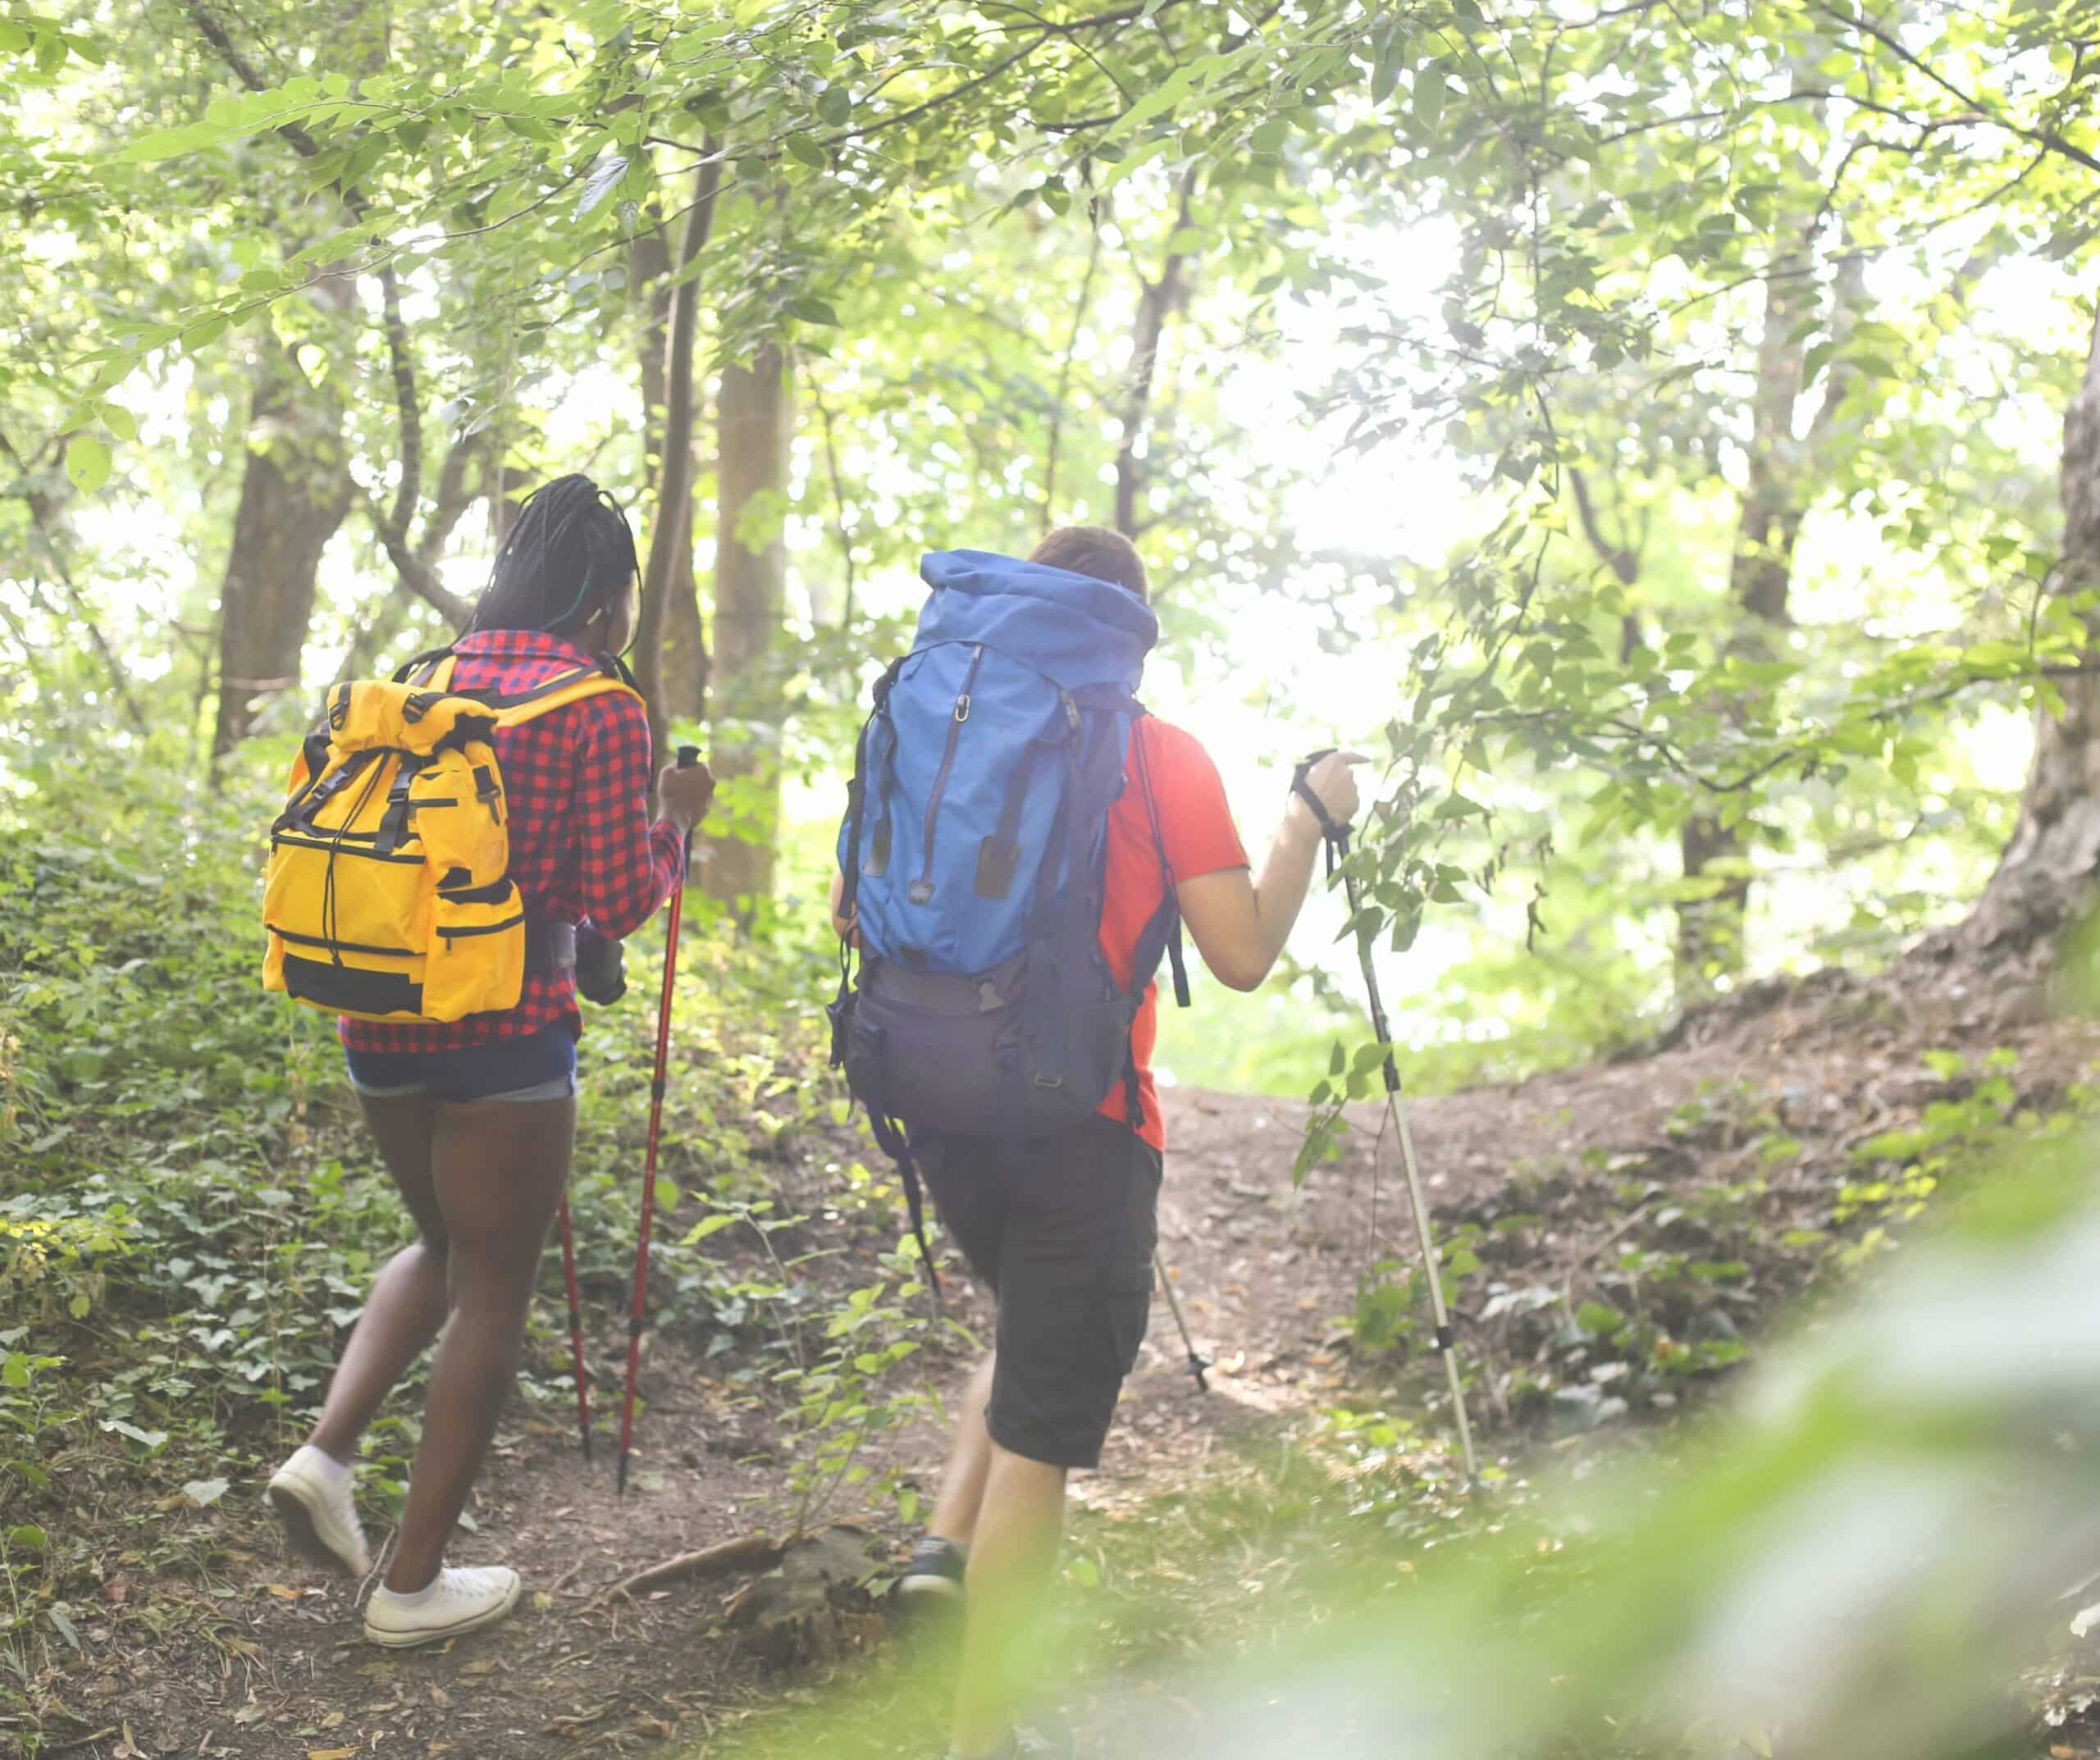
point(1551, 1173)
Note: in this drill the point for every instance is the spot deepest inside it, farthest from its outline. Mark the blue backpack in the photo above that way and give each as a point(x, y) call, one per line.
point(974, 851)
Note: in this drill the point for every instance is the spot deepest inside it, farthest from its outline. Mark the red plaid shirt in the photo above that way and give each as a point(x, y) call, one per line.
point(577, 781)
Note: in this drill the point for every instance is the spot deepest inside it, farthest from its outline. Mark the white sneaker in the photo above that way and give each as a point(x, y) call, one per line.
point(459, 1601)
point(315, 1500)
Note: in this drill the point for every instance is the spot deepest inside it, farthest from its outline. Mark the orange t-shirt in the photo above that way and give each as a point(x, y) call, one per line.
point(1197, 833)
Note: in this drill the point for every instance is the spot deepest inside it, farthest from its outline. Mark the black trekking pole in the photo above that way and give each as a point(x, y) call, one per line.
point(1337, 837)
point(688, 756)
point(1198, 1362)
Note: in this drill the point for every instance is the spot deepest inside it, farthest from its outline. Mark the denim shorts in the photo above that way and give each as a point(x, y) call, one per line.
point(541, 1066)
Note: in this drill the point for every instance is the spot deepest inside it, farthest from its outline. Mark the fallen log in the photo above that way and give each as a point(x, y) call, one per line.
point(748, 1552)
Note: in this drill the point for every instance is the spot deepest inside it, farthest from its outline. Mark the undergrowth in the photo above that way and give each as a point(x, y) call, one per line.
point(191, 1212)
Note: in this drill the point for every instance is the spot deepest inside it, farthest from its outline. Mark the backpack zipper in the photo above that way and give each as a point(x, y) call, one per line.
point(340, 947)
point(481, 928)
point(922, 888)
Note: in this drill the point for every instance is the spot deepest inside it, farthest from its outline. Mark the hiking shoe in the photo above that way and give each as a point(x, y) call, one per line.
point(459, 1601)
point(935, 1572)
point(314, 1499)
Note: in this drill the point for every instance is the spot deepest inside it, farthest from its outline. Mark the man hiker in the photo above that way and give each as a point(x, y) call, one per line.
point(985, 730)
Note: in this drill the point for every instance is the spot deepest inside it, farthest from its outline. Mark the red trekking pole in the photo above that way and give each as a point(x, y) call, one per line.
point(575, 1328)
point(688, 756)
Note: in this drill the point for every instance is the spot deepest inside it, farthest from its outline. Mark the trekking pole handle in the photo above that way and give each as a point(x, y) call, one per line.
point(1331, 829)
point(688, 756)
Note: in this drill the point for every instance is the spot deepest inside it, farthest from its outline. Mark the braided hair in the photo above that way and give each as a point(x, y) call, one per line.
point(570, 556)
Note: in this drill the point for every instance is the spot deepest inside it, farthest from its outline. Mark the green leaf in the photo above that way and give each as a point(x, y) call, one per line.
point(153, 1440)
point(667, 1195)
point(87, 462)
point(708, 1225)
point(120, 422)
point(809, 151)
point(169, 143)
point(1385, 71)
point(29, 1537)
point(835, 106)
point(204, 1493)
point(63, 1621)
point(15, 1372)
point(1429, 91)
point(812, 310)
point(604, 177)
point(1599, 1321)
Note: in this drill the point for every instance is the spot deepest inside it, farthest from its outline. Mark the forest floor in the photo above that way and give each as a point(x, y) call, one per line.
point(1727, 1149)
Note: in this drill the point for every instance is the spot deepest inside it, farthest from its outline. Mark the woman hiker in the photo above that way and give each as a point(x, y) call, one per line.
point(476, 1118)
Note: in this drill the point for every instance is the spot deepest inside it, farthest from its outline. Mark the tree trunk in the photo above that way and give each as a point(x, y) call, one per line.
point(1710, 943)
point(295, 492)
point(1159, 300)
point(671, 531)
point(754, 418)
point(2045, 877)
point(685, 638)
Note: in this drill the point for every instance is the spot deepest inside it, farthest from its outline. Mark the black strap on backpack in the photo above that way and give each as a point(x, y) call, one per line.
point(1160, 936)
point(890, 1136)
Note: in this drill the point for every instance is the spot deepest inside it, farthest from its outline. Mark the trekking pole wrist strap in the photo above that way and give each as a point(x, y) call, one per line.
point(1332, 830)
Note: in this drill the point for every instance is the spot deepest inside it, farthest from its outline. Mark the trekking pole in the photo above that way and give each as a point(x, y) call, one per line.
point(575, 1328)
point(688, 756)
point(1198, 1362)
point(1337, 837)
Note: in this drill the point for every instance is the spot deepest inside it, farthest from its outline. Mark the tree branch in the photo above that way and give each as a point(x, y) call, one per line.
point(1065, 370)
point(409, 490)
point(41, 517)
point(674, 500)
point(412, 563)
point(837, 501)
point(1157, 301)
point(1618, 557)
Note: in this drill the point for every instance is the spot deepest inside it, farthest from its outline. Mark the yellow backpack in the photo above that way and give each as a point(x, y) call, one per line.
point(388, 895)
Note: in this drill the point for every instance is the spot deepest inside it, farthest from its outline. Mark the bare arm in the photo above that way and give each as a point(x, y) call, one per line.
point(1241, 924)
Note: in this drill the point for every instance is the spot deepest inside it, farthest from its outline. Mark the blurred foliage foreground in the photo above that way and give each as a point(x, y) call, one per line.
point(1857, 1560)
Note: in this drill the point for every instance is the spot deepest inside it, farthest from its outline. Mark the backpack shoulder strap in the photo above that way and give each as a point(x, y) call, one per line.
point(428, 664)
point(558, 692)
point(1164, 933)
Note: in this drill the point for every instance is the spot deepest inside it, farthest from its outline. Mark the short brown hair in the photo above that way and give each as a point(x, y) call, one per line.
point(1098, 553)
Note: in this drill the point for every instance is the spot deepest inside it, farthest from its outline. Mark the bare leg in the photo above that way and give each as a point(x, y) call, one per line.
point(1019, 1527)
point(408, 1302)
point(500, 1167)
point(969, 1460)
